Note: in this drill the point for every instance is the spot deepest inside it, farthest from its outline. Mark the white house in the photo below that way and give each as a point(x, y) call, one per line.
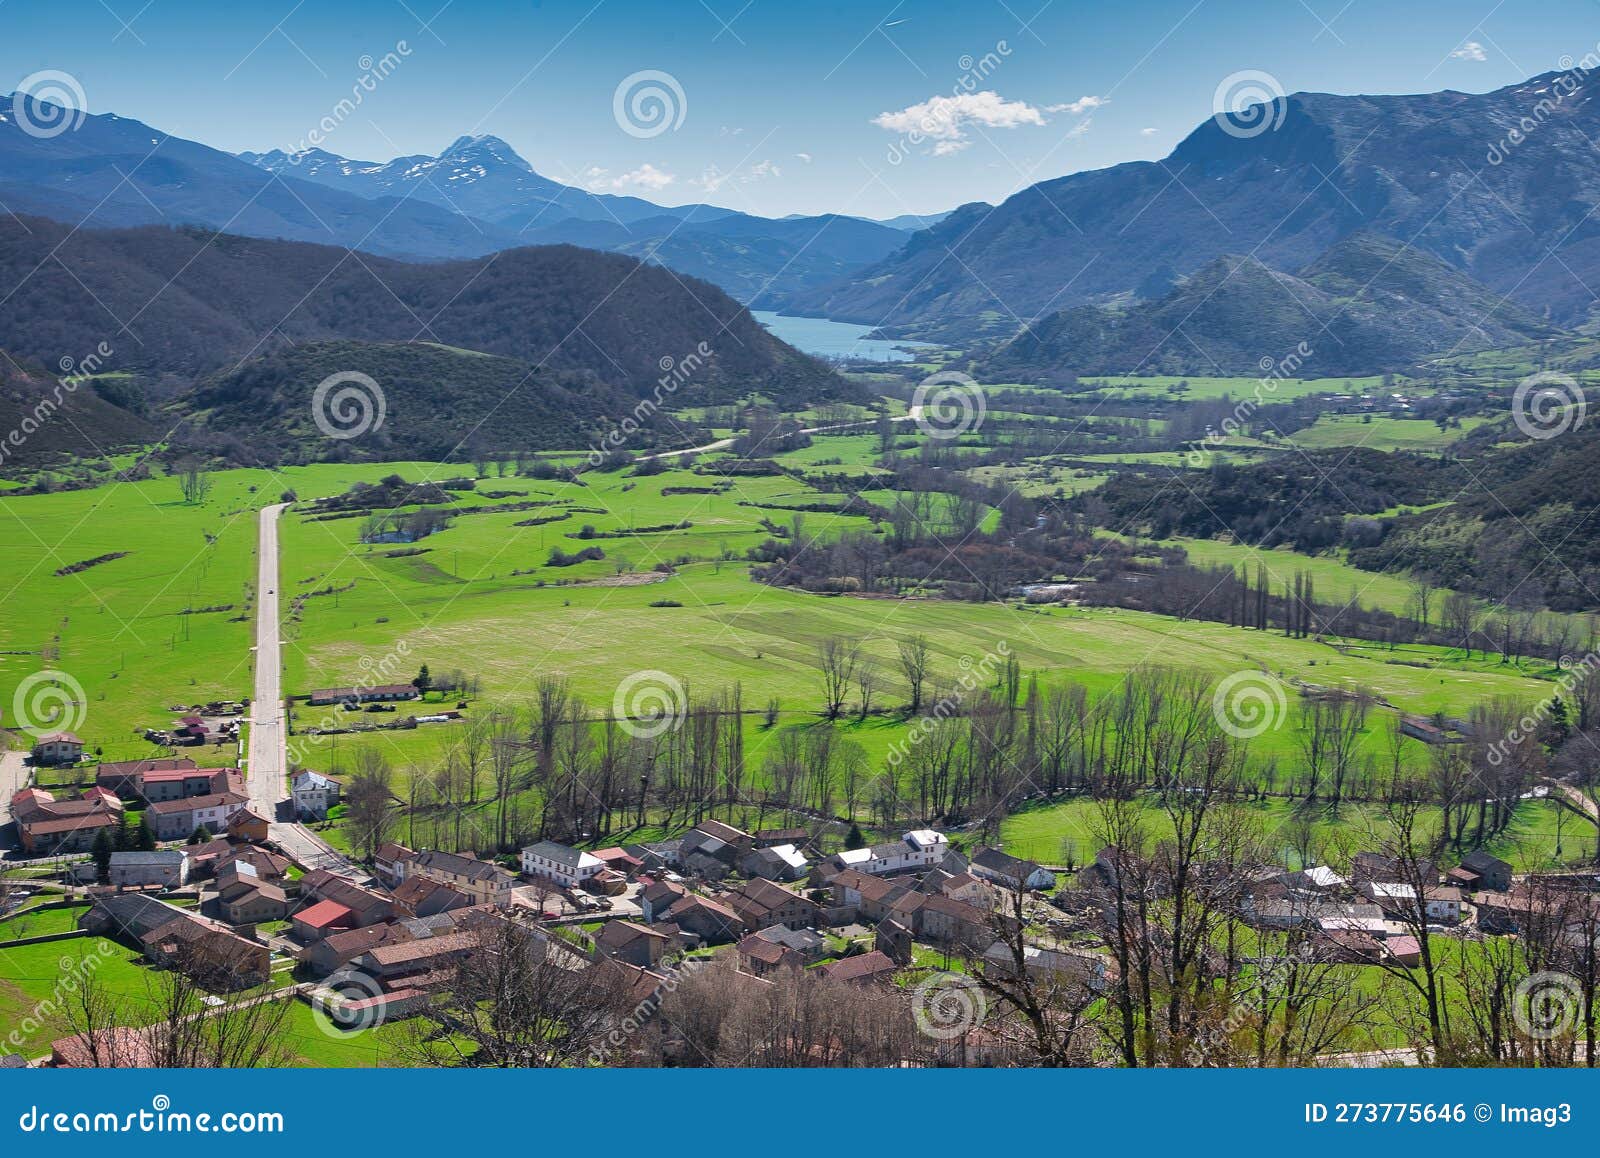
point(1444, 904)
point(568, 867)
point(58, 748)
point(176, 819)
point(920, 848)
point(142, 869)
point(313, 794)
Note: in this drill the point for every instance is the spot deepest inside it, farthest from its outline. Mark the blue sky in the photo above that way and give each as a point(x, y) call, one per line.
point(786, 107)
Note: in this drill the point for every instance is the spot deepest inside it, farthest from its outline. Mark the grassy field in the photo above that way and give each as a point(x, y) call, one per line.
point(1381, 433)
point(314, 1042)
point(1041, 833)
point(36, 980)
point(39, 923)
point(672, 595)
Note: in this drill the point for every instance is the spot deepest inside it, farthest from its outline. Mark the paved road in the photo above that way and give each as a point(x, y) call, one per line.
point(13, 779)
point(268, 756)
point(724, 443)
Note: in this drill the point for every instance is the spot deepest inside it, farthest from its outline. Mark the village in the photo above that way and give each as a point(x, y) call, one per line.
point(966, 941)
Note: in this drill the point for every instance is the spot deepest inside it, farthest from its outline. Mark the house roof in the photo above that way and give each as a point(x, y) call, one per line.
point(803, 940)
point(563, 854)
point(353, 942)
point(1403, 946)
point(406, 952)
point(120, 1046)
point(871, 888)
point(785, 854)
point(191, 803)
point(1480, 861)
point(765, 896)
point(616, 934)
point(656, 890)
point(328, 886)
point(767, 952)
point(261, 889)
point(995, 860)
point(59, 738)
point(324, 914)
point(464, 866)
point(178, 775)
point(136, 913)
point(71, 823)
point(723, 832)
point(1322, 877)
point(174, 856)
point(358, 692)
point(695, 901)
point(861, 967)
point(413, 891)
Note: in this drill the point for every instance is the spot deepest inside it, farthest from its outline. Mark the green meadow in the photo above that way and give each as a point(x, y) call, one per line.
point(672, 594)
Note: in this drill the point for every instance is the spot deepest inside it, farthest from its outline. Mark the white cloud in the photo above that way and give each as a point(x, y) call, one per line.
point(646, 176)
point(1083, 104)
point(1148, 132)
point(806, 157)
point(1471, 50)
point(945, 120)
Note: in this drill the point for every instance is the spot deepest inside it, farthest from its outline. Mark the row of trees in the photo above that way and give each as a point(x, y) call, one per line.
point(976, 748)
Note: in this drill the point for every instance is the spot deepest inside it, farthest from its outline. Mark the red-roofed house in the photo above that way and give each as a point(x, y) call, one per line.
point(862, 969)
point(322, 918)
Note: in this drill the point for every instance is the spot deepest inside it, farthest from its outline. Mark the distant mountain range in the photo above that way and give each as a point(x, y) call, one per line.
point(476, 197)
point(1437, 172)
point(1393, 226)
point(1368, 304)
